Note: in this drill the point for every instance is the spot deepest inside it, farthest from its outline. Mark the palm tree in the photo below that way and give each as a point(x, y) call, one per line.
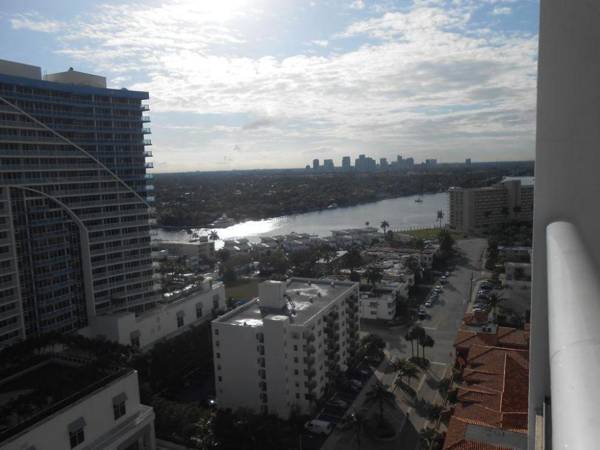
point(428, 437)
point(213, 236)
point(410, 336)
point(379, 394)
point(384, 226)
point(494, 300)
point(426, 341)
point(373, 275)
point(419, 333)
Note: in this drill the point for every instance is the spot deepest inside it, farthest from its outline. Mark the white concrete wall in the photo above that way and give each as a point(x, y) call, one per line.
point(235, 354)
point(279, 360)
point(567, 185)
point(159, 323)
point(382, 308)
point(97, 411)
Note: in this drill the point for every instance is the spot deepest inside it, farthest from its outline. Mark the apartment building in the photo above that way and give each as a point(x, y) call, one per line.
point(278, 352)
point(475, 209)
point(74, 194)
point(175, 313)
point(83, 406)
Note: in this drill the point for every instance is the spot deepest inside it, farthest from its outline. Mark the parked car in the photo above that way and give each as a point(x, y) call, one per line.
point(319, 427)
point(337, 403)
point(446, 274)
point(422, 314)
point(428, 304)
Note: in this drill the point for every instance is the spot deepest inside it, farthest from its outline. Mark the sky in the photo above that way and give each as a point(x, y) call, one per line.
point(257, 84)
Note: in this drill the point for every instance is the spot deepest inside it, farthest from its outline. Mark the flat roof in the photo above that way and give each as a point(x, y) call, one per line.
point(73, 88)
point(307, 297)
point(47, 387)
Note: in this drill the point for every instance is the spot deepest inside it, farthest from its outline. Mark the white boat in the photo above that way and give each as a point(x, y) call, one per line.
point(223, 222)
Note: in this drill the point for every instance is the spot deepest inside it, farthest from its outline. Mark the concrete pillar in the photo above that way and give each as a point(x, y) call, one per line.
point(567, 185)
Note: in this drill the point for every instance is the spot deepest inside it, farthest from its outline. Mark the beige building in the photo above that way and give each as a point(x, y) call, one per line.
point(279, 351)
point(475, 209)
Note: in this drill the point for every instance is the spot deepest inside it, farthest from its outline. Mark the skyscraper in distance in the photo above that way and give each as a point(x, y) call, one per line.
point(346, 163)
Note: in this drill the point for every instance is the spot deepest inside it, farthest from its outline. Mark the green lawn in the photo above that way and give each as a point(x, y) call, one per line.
point(243, 290)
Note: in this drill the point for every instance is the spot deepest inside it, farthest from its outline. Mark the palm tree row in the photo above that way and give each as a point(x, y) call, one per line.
point(406, 370)
point(418, 334)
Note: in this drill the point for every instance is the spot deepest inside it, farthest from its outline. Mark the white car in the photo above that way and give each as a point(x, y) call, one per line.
point(319, 427)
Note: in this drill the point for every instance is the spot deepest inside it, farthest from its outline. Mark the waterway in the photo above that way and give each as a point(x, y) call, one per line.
point(401, 213)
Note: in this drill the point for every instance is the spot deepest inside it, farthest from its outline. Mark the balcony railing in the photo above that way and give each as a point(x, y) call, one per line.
point(574, 338)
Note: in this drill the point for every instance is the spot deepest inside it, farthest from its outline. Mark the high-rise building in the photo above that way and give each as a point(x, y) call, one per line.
point(383, 163)
point(328, 164)
point(278, 352)
point(468, 162)
point(315, 164)
point(474, 209)
point(364, 163)
point(346, 163)
point(74, 195)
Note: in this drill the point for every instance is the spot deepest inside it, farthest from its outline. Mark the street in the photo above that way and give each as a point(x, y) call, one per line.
point(444, 319)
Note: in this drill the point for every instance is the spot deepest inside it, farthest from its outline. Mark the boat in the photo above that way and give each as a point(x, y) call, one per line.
point(418, 200)
point(223, 222)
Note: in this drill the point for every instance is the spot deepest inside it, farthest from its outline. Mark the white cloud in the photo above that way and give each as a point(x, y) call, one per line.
point(501, 10)
point(357, 4)
point(321, 43)
point(421, 82)
point(34, 22)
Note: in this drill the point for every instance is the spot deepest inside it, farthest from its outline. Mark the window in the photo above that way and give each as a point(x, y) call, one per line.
point(198, 310)
point(179, 319)
point(76, 433)
point(119, 408)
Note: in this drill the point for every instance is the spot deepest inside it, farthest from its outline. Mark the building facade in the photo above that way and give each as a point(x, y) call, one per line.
point(174, 314)
point(74, 196)
point(278, 352)
point(475, 209)
point(98, 410)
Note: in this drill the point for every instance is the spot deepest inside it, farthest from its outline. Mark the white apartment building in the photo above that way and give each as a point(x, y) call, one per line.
point(381, 307)
point(192, 306)
point(278, 352)
point(89, 410)
point(474, 209)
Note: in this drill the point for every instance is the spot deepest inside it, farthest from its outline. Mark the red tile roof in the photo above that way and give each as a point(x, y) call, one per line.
point(494, 391)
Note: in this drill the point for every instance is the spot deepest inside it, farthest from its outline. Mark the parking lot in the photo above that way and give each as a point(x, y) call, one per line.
point(334, 413)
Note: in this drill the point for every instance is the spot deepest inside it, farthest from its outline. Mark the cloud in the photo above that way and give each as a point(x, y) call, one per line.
point(34, 22)
point(321, 43)
point(504, 10)
point(357, 4)
point(259, 123)
point(423, 79)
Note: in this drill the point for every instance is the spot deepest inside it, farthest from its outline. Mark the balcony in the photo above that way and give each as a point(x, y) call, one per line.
point(147, 142)
point(574, 337)
point(310, 349)
point(149, 165)
point(148, 154)
point(309, 361)
point(145, 119)
point(144, 107)
point(146, 131)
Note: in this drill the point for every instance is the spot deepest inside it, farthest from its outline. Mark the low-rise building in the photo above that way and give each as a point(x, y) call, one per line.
point(174, 314)
point(476, 209)
point(278, 352)
point(377, 305)
point(64, 402)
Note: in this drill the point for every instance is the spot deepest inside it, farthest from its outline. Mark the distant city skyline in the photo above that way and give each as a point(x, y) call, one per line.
point(259, 84)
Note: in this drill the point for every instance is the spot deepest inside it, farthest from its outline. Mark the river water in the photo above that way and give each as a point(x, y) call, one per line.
point(400, 213)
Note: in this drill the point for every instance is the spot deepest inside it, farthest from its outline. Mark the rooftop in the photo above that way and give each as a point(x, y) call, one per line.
point(48, 386)
point(306, 297)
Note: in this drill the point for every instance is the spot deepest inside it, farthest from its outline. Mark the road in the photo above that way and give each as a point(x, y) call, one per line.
point(442, 325)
